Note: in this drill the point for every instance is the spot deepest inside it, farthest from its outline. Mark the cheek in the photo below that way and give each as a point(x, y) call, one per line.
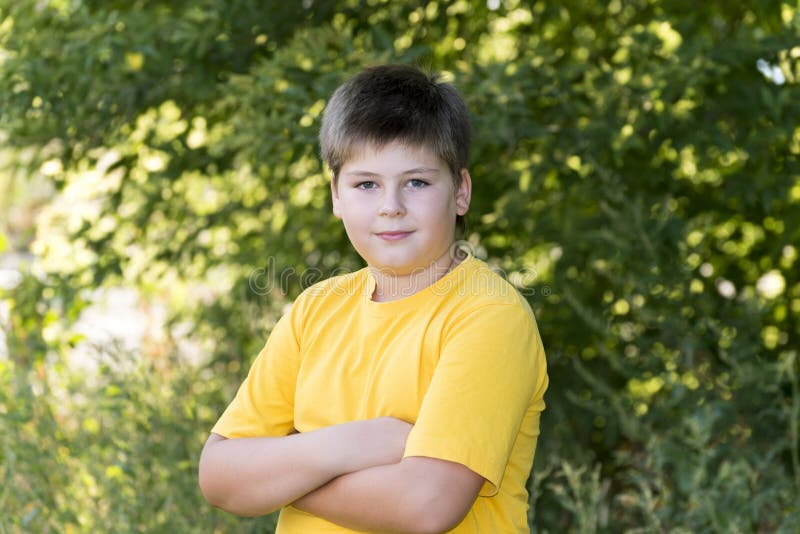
point(444, 208)
point(355, 224)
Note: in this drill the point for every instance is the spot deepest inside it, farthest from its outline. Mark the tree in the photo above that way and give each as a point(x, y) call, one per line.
point(636, 174)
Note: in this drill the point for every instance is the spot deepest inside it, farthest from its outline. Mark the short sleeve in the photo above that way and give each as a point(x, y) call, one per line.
point(264, 403)
point(491, 370)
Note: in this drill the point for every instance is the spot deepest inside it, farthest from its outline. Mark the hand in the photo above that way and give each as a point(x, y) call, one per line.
point(378, 441)
point(387, 436)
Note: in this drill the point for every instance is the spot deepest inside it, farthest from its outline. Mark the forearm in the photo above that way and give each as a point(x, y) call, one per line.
point(254, 476)
point(416, 495)
point(374, 499)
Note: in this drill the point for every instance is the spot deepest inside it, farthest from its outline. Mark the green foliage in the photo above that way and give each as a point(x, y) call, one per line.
point(112, 450)
point(640, 157)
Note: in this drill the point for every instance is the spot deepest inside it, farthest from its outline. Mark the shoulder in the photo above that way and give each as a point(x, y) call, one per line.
point(332, 292)
point(479, 300)
point(479, 285)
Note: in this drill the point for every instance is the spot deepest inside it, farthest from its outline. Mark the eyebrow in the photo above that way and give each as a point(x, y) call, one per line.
point(416, 170)
point(422, 170)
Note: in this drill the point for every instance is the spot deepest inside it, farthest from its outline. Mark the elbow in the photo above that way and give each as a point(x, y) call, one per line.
point(209, 486)
point(436, 523)
point(208, 478)
point(442, 502)
point(211, 497)
point(218, 496)
point(215, 500)
point(213, 486)
point(224, 501)
point(438, 514)
point(227, 495)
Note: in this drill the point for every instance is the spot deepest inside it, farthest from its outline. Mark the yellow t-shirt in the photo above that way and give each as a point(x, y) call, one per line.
point(462, 360)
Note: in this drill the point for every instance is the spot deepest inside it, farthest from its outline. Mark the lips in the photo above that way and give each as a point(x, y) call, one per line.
point(393, 236)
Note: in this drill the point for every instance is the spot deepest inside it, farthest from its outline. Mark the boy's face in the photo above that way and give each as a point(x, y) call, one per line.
point(399, 205)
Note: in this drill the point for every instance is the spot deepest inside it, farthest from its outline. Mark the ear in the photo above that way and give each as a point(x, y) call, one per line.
point(463, 193)
point(335, 198)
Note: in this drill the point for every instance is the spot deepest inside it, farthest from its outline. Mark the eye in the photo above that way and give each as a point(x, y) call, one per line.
point(416, 183)
point(366, 185)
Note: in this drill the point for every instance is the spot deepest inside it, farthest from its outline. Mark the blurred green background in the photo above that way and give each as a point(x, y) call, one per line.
point(636, 176)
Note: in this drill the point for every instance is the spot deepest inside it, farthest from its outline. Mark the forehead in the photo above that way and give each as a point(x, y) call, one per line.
point(393, 154)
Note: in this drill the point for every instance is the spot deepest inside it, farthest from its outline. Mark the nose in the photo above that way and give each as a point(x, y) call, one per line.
point(391, 205)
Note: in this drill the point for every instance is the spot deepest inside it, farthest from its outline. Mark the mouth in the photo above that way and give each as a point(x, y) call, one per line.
point(393, 236)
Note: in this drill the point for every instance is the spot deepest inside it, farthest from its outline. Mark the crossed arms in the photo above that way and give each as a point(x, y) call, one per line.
point(352, 474)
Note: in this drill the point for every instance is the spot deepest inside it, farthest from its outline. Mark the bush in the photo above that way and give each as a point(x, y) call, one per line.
point(636, 172)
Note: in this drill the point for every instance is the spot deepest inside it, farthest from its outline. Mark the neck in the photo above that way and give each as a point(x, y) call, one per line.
point(391, 286)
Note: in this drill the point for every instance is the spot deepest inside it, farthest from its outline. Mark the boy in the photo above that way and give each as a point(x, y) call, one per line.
point(404, 397)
